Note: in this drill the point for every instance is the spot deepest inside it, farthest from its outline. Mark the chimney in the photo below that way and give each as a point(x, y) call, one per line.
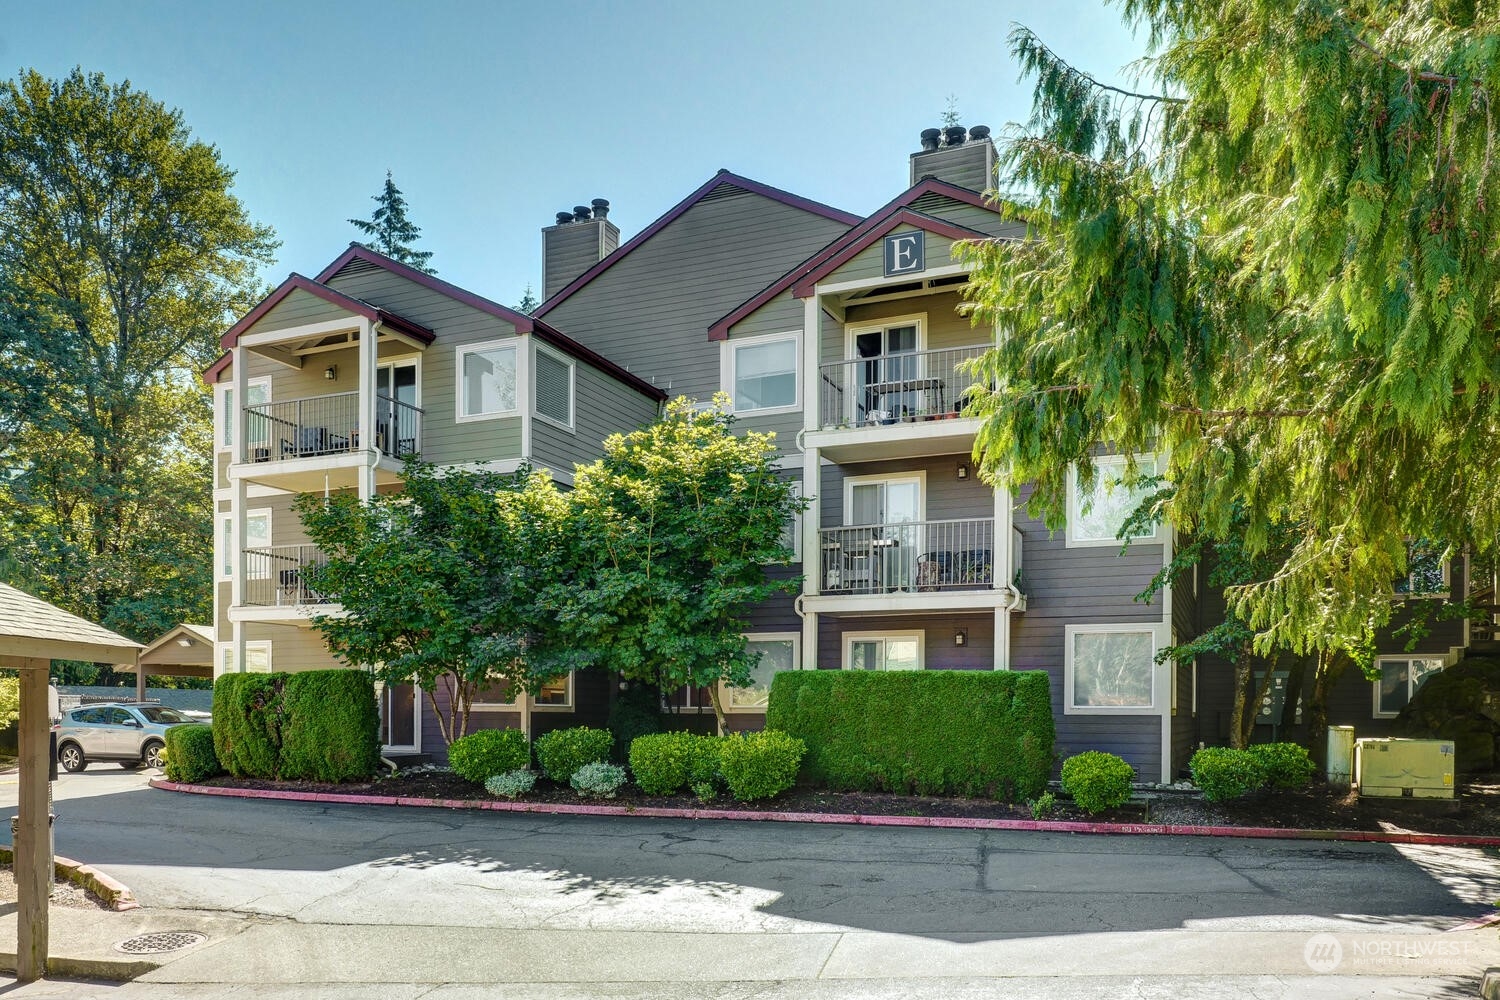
point(576, 242)
point(964, 157)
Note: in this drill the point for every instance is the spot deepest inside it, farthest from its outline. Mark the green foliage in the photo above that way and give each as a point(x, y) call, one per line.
point(760, 765)
point(511, 784)
point(481, 755)
point(1223, 773)
point(528, 302)
point(598, 780)
point(1273, 261)
point(1043, 805)
point(705, 791)
point(330, 726)
point(123, 255)
point(932, 732)
point(673, 529)
point(1285, 765)
point(247, 723)
point(563, 751)
point(470, 559)
point(393, 233)
point(1097, 780)
point(190, 754)
point(665, 763)
point(636, 712)
point(10, 701)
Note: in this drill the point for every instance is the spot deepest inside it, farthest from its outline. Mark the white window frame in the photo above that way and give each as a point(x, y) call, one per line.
point(565, 707)
point(496, 706)
point(727, 371)
point(222, 542)
point(1161, 674)
point(512, 344)
point(224, 656)
point(1375, 711)
point(572, 364)
point(919, 320)
point(918, 476)
point(224, 415)
point(850, 638)
point(725, 697)
point(1107, 467)
point(796, 525)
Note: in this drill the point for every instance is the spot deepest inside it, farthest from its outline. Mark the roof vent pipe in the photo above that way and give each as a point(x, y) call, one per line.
point(601, 208)
point(930, 138)
point(978, 132)
point(563, 218)
point(954, 135)
point(580, 213)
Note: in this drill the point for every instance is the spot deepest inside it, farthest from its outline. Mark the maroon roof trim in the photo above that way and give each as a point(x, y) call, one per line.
point(212, 372)
point(297, 282)
point(563, 342)
point(804, 285)
point(677, 210)
point(927, 185)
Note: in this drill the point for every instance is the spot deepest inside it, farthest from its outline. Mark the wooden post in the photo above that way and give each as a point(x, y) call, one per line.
point(33, 855)
point(140, 682)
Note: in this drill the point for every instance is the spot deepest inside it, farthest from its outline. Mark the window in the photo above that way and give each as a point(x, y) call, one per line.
point(1426, 571)
point(1111, 669)
point(556, 693)
point(889, 383)
point(1096, 519)
point(257, 391)
point(554, 388)
point(791, 532)
point(883, 651)
point(486, 381)
point(762, 375)
point(257, 536)
point(1400, 677)
point(776, 651)
point(496, 694)
point(257, 657)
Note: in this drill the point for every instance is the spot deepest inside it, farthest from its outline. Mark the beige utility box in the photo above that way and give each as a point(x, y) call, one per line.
point(1394, 768)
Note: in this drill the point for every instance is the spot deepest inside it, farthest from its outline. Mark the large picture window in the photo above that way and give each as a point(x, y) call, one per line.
point(1110, 669)
point(1096, 517)
point(762, 374)
point(776, 652)
point(486, 381)
point(1400, 678)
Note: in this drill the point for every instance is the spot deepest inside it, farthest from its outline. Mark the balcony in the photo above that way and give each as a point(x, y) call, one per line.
point(329, 425)
point(895, 406)
point(275, 576)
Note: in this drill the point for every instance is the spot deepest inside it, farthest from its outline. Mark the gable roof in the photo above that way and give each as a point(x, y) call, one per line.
point(201, 633)
point(861, 236)
point(315, 286)
point(32, 628)
point(677, 211)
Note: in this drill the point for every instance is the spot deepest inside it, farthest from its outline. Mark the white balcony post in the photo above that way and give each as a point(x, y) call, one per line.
point(239, 440)
point(812, 476)
point(366, 418)
point(1004, 538)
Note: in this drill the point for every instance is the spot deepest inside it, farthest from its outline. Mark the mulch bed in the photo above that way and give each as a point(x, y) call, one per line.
point(1477, 811)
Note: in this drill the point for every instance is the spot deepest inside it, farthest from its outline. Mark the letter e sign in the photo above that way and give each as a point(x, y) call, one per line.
point(905, 253)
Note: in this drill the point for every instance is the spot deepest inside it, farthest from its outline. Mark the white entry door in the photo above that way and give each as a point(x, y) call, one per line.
point(893, 507)
point(400, 718)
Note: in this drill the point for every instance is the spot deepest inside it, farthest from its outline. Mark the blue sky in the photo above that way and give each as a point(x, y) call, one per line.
point(495, 116)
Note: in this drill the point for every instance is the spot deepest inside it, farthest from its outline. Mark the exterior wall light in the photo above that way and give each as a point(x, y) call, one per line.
point(331, 372)
point(961, 637)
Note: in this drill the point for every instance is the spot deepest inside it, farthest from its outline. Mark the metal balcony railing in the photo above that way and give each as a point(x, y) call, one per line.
point(274, 576)
point(329, 425)
point(869, 392)
point(910, 556)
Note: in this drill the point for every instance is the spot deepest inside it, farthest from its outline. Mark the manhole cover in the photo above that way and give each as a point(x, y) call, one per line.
point(161, 941)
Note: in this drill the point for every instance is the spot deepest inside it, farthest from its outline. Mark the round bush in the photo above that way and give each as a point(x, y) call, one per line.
point(665, 763)
point(1097, 780)
point(598, 780)
point(636, 712)
point(480, 756)
point(760, 765)
point(511, 784)
point(190, 753)
point(564, 751)
point(1224, 773)
point(1286, 765)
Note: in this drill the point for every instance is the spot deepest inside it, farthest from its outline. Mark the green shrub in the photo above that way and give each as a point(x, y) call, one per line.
point(564, 751)
point(598, 780)
point(1043, 805)
point(933, 732)
point(190, 753)
point(247, 724)
point(1097, 780)
point(760, 765)
point(330, 726)
point(636, 712)
point(1224, 773)
point(665, 763)
point(481, 755)
point(1286, 765)
point(511, 784)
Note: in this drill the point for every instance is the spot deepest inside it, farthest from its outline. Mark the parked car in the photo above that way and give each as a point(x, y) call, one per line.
point(132, 735)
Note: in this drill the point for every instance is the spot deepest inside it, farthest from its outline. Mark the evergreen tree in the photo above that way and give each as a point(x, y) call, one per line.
point(528, 302)
point(392, 232)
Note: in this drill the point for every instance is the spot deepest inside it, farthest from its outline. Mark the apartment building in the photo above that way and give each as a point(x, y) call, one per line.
point(845, 335)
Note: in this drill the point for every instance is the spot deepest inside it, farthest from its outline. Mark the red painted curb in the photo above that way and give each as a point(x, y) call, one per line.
point(946, 822)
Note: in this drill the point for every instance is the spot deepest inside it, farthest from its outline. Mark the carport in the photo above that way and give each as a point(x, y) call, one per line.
point(185, 651)
point(33, 633)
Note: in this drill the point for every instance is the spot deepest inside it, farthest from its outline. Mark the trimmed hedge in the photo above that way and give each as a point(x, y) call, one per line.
point(1097, 780)
point(330, 726)
point(1286, 765)
point(666, 763)
point(760, 765)
point(1223, 773)
point(932, 732)
point(563, 751)
point(190, 753)
point(481, 755)
point(318, 724)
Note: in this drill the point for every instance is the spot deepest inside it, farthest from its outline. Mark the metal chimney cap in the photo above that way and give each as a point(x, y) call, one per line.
point(930, 137)
point(601, 208)
point(955, 135)
point(563, 218)
point(978, 132)
point(580, 213)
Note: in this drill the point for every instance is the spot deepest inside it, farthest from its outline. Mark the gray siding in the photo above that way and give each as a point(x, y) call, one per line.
point(971, 216)
point(569, 250)
point(301, 308)
point(946, 497)
point(939, 651)
point(602, 406)
point(966, 166)
point(652, 310)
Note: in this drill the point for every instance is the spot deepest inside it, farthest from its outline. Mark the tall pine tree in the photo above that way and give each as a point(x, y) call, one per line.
point(392, 232)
